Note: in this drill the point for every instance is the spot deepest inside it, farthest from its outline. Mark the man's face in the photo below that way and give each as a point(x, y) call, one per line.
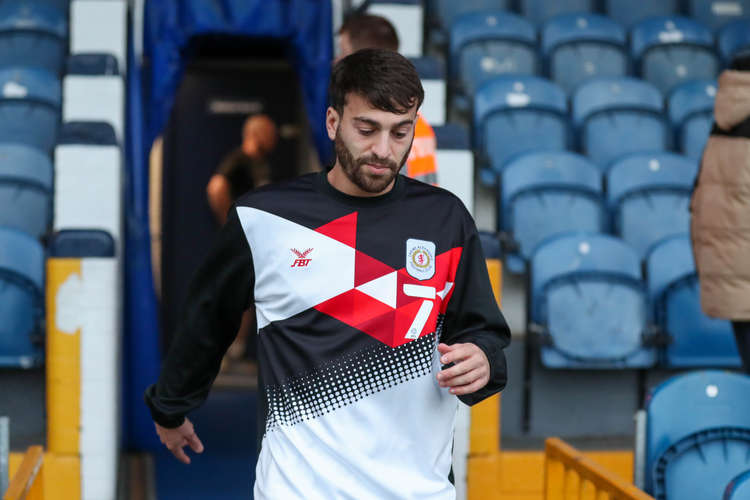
point(371, 144)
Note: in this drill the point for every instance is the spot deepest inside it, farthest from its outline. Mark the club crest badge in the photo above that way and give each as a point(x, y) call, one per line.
point(420, 259)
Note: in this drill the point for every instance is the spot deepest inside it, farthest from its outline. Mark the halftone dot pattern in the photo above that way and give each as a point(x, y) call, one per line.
point(348, 379)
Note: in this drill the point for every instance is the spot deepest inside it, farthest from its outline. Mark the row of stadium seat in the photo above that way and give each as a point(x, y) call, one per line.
point(608, 118)
point(593, 305)
point(713, 13)
point(665, 51)
point(643, 199)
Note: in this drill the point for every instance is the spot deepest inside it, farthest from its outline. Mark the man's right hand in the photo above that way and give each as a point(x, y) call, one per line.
point(175, 439)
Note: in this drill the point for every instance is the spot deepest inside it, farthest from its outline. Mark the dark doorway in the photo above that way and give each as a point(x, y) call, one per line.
point(229, 78)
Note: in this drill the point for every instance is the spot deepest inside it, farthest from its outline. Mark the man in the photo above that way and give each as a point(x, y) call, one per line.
point(365, 283)
point(244, 168)
point(365, 31)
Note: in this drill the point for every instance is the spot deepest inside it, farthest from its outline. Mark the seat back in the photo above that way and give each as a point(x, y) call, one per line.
point(539, 11)
point(587, 292)
point(628, 13)
point(733, 38)
point(581, 46)
point(444, 12)
point(33, 35)
point(648, 195)
point(691, 111)
point(407, 17)
point(547, 193)
point(432, 74)
point(696, 434)
point(486, 44)
point(529, 113)
point(674, 292)
point(455, 162)
point(617, 116)
point(671, 50)
point(94, 90)
point(25, 189)
point(21, 299)
point(29, 107)
point(717, 13)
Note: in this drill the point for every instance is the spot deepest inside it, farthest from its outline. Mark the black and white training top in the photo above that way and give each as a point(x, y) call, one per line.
point(352, 296)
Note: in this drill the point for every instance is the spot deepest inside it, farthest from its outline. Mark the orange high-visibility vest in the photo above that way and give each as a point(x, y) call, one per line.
point(421, 164)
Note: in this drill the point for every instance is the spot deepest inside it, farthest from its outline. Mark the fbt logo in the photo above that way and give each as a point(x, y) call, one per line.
point(301, 261)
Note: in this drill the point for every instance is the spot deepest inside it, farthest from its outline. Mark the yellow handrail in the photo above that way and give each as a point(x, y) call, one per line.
point(565, 468)
point(23, 480)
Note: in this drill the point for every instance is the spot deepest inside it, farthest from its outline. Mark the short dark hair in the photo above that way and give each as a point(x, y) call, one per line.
point(366, 31)
point(385, 78)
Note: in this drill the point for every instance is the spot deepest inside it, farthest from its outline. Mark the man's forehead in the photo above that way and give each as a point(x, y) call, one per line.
point(357, 106)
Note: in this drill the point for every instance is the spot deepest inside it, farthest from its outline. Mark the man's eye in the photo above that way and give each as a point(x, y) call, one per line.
point(366, 131)
point(399, 135)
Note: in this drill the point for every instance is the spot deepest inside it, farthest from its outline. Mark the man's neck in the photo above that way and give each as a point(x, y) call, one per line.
point(341, 182)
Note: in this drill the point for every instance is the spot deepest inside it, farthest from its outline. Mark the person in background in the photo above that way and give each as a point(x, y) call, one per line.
point(720, 206)
point(243, 169)
point(365, 31)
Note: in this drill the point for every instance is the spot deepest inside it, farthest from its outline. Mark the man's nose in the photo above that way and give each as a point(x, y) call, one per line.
point(381, 148)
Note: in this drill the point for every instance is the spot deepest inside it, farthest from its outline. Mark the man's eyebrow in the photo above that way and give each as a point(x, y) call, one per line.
point(377, 124)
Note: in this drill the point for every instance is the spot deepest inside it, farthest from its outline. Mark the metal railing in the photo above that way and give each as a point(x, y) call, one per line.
point(569, 475)
point(22, 485)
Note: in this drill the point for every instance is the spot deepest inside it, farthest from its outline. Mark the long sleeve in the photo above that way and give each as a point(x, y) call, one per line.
point(219, 292)
point(472, 316)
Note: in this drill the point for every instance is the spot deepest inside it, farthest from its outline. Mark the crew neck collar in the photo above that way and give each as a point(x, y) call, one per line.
point(325, 187)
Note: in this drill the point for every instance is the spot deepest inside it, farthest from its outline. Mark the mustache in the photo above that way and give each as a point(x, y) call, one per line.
point(378, 162)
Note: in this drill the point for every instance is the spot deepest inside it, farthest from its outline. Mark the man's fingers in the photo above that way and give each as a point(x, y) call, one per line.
point(444, 348)
point(468, 389)
point(195, 443)
point(458, 369)
point(456, 353)
point(461, 380)
point(179, 453)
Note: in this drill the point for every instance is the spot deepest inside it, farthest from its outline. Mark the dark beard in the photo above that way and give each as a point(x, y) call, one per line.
point(353, 167)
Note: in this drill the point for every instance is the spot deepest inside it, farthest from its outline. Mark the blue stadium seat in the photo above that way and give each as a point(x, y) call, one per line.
point(29, 107)
point(738, 488)
point(78, 243)
point(668, 51)
point(649, 195)
point(696, 339)
point(442, 13)
point(21, 299)
point(432, 74)
point(25, 189)
point(588, 303)
point(717, 13)
point(539, 11)
point(33, 34)
point(617, 116)
point(543, 194)
point(452, 136)
point(486, 44)
point(514, 115)
point(697, 434)
point(733, 38)
point(628, 13)
point(581, 46)
point(691, 113)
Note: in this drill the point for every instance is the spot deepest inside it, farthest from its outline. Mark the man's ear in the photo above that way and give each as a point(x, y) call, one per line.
point(332, 122)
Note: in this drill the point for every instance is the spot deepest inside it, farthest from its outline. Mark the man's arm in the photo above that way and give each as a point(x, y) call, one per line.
point(218, 294)
point(475, 332)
